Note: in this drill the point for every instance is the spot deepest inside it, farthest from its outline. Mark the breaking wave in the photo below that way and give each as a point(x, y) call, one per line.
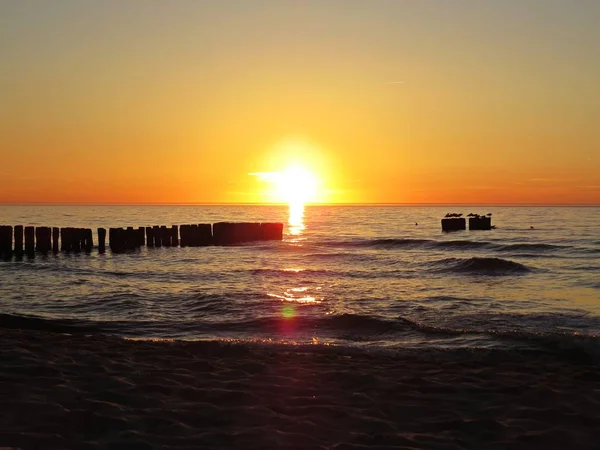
point(481, 266)
point(349, 327)
point(431, 244)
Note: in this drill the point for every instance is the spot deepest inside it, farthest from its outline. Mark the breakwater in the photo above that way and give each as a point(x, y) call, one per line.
point(455, 222)
point(28, 240)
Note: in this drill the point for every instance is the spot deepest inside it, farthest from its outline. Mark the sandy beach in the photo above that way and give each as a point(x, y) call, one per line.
point(69, 392)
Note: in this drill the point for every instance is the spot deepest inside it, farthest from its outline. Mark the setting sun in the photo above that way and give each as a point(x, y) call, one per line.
point(296, 185)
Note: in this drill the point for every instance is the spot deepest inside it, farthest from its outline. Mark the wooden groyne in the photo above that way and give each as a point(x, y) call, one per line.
point(480, 221)
point(455, 222)
point(29, 240)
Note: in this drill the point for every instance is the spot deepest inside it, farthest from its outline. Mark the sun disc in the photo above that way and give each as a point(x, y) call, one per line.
point(296, 185)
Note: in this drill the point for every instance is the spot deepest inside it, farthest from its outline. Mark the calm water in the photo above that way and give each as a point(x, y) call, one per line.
point(351, 276)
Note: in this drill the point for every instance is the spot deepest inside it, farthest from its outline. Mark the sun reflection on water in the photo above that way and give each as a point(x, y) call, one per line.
point(296, 218)
point(296, 295)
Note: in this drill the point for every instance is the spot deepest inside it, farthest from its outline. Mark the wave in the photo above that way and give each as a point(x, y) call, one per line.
point(530, 247)
point(293, 272)
point(549, 340)
point(530, 255)
point(462, 244)
point(431, 244)
point(348, 256)
point(347, 327)
point(392, 243)
point(346, 324)
point(590, 250)
point(23, 322)
point(479, 266)
point(407, 243)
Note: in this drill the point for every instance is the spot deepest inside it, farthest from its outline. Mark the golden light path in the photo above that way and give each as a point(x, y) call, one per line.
point(296, 186)
point(296, 219)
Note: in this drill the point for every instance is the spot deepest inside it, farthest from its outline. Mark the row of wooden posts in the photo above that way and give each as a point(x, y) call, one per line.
point(460, 223)
point(30, 240)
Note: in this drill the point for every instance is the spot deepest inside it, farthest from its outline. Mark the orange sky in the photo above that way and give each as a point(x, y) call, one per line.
point(384, 101)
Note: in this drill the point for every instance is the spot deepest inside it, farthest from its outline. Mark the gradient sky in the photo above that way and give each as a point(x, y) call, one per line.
point(388, 101)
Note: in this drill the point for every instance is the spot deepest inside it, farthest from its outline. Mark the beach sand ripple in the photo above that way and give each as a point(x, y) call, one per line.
point(73, 392)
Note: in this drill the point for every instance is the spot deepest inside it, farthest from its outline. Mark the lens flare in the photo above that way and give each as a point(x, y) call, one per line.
point(288, 311)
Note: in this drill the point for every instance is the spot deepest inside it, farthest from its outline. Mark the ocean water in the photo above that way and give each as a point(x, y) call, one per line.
point(381, 277)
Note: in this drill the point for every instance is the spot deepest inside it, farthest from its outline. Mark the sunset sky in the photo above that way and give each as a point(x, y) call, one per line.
point(384, 101)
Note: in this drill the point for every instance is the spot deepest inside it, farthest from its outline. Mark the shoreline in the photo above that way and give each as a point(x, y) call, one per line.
point(73, 391)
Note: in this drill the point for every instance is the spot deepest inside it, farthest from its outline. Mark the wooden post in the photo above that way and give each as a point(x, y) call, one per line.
point(29, 241)
point(112, 238)
point(205, 234)
point(247, 232)
point(141, 236)
point(47, 240)
point(174, 235)
point(39, 231)
point(75, 234)
point(149, 237)
point(6, 236)
point(101, 240)
point(278, 231)
point(55, 234)
point(19, 240)
point(120, 240)
point(42, 240)
point(123, 239)
point(222, 233)
point(454, 224)
point(480, 223)
point(82, 239)
point(236, 230)
point(157, 236)
point(254, 232)
point(131, 238)
point(65, 243)
point(194, 241)
point(183, 235)
point(116, 240)
point(165, 236)
point(242, 232)
point(88, 239)
point(272, 231)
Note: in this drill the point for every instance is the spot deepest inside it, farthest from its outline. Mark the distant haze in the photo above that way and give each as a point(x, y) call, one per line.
point(465, 101)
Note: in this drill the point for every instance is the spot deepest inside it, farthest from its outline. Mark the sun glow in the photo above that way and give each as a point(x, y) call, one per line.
point(296, 171)
point(295, 185)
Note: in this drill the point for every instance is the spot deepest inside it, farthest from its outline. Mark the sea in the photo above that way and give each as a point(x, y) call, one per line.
point(360, 277)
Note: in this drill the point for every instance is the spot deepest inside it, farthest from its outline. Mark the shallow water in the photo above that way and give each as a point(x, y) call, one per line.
point(352, 276)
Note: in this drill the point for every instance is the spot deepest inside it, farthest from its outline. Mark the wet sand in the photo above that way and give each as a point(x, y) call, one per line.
point(71, 392)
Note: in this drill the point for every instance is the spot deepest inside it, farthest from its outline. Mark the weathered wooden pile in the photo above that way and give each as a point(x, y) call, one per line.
point(30, 240)
point(455, 222)
point(480, 221)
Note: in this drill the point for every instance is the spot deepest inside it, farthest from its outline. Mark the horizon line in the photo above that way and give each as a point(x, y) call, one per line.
point(286, 204)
